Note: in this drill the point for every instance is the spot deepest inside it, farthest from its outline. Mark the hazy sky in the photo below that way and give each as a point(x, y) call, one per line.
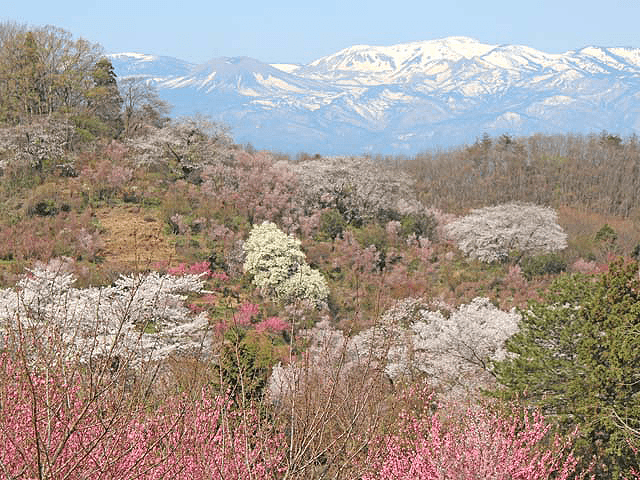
point(299, 31)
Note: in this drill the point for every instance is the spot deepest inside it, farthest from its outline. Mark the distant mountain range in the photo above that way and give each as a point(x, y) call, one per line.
point(403, 98)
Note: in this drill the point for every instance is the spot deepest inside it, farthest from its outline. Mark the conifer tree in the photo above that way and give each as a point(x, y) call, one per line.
point(577, 357)
point(104, 100)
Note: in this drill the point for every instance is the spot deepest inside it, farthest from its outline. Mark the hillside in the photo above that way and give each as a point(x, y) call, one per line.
point(177, 305)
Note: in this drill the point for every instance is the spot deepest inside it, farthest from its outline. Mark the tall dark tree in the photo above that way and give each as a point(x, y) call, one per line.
point(577, 357)
point(104, 100)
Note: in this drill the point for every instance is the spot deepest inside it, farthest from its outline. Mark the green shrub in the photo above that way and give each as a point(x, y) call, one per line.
point(606, 237)
point(551, 263)
point(332, 224)
point(420, 224)
point(371, 234)
point(90, 126)
point(245, 362)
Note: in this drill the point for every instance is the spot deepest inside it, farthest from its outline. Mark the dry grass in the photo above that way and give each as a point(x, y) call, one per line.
point(582, 225)
point(133, 238)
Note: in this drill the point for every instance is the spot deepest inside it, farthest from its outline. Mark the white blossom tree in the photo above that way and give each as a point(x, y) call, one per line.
point(360, 189)
point(140, 319)
point(458, 348)
point(490, 234)
point(454, 350)
point(278, 266)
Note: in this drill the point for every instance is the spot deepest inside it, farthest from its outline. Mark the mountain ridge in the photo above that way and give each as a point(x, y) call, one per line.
point(403, 98)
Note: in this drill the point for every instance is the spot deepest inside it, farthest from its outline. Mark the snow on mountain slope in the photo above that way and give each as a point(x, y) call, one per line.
point(403, 98)
point(152, 66)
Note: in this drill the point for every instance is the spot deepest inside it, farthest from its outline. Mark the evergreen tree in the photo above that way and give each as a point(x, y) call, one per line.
point(104, 100)
point(577, 357)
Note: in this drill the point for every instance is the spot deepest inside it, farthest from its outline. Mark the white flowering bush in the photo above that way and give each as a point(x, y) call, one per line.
point(454, 350)
point(459, 348)
point(278, 266)
point(141, 318)
point(34, 144)
point(490, 234)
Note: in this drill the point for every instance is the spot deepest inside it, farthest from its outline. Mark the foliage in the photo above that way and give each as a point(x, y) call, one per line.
point(278, 266)
point(606, 237)
point(43, 70)
point(606, 234)
point(245, 361)
point(104, 100)
point(421, 225)
point(551, 263)
point(577, 357)
point(332, 224)
point(490, 234)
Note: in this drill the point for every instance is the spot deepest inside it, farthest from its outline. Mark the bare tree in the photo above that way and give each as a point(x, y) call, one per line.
point(142, 105)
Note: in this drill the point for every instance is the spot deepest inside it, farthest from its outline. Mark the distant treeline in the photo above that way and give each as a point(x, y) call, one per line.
point(598, 172)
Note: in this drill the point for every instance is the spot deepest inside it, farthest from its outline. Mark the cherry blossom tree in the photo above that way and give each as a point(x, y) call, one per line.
point(141, 318)
point(491, 234)
point(360, 189)
point(454, 350)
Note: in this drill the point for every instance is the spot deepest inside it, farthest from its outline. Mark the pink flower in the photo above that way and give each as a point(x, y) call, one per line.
point(272, 324)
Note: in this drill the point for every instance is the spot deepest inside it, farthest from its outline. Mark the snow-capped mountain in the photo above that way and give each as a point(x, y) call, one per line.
point(403, 98)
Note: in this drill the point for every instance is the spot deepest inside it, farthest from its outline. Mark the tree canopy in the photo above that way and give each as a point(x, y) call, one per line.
point(577, 357)
point(43, 70)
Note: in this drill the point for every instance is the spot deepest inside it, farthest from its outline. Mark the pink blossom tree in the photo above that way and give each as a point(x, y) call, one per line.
point(51, 428)
point(470, 444)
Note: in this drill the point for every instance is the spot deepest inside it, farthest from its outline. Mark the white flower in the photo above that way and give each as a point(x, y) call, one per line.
point(492, 233)
point(140, 317)
point(278, 266)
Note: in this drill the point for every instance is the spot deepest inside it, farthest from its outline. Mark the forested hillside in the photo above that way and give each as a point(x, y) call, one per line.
point(175, 305)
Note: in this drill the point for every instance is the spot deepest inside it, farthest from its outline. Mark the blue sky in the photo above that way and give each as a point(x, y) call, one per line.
point(299, 31)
